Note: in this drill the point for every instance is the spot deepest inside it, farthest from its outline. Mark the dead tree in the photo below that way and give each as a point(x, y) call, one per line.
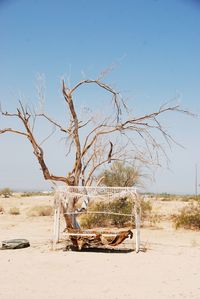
point(117, 136)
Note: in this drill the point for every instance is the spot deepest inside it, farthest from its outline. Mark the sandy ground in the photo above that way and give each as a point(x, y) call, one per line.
point(169, 268)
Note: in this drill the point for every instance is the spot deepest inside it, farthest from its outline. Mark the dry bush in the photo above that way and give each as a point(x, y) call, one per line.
point(166, 197)
point(6, 192)
point(176, 197)
point(191, 198)
point(103, 220)
point(1, 210)
point(153, 219)
point(189, 217)
point(40, 211)
point(123, 206)
point(36, 193)
point(14, 211)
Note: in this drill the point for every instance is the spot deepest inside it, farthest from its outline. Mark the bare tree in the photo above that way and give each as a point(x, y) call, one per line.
point(116, 136)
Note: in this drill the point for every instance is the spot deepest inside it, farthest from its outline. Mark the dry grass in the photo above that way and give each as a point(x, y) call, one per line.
point(188, 217)
point(31, 194)
point(14, 211)
point(40, 211)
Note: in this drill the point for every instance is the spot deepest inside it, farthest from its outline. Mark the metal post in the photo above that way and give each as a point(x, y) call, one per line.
point(196, 192)
point(56, 227)
point(137, 209)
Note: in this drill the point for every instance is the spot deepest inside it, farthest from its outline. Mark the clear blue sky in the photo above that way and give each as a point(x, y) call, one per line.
point(154, 44)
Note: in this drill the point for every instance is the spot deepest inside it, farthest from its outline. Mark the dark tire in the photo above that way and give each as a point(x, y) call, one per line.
point(15, 244)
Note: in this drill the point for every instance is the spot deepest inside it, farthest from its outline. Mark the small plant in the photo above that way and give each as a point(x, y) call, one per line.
point(14, 211)
point(189, 217)
point(154, 219)
point(1, 210)
point(6, 192)
point(40, 211)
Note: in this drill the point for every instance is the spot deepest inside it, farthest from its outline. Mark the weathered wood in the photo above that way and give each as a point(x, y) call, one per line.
point(82, 239)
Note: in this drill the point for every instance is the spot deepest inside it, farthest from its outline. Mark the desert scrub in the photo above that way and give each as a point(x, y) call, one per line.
point(14, 211)
point(175, 197)
point(191, 198)
point(188, 198)
point(165, 197)
point(102, 220)
point(40, 211)
point(189, 217)
point(31, 194)
point(1, 210)
point(123, 206)
point(6, 192)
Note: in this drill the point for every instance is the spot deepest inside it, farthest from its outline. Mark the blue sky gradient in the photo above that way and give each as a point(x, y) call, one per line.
point(154, 46)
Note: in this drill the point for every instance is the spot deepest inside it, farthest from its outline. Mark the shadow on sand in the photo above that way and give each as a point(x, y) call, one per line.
point(99, 249)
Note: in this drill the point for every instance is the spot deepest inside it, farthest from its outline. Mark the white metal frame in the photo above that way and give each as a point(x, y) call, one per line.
point(64, 189)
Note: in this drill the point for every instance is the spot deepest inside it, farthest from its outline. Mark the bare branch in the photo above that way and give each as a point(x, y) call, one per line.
point(43, 141)
point(78, 163)
point(116, 96)
point(110, 152)
point(85, 124)
point(54, 123)
point(13, 131)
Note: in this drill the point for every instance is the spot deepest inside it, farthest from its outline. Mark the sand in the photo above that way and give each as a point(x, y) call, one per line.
point(169, 267)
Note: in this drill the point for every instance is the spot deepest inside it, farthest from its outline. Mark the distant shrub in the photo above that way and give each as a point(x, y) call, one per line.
point(146, 208)
point(189, 217)
point(191, 198)
point(176, 197)
point(123, 206)
point(166, 197)
point(187, 198)
point(6, 192)
point(40, 211)
point(30, 194)
point(14, 211)
point(1, 210)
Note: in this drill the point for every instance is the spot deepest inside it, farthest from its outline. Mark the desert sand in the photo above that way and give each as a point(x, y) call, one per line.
point(167, 267)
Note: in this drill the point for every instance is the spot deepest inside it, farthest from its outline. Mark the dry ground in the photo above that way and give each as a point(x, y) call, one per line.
point(170, 267)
